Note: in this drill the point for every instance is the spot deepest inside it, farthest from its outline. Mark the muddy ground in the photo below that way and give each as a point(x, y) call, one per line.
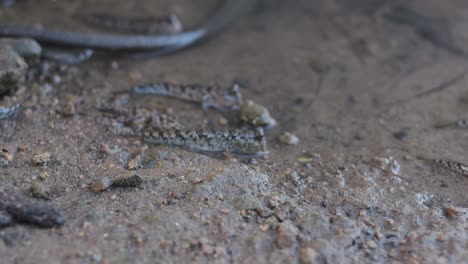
point(363, 93)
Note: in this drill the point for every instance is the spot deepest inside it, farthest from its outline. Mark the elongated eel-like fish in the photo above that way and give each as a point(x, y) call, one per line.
point(221, 98)
point(230, 10)
point(239, 142)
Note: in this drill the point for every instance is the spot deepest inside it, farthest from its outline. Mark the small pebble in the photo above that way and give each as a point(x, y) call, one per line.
point(7, 156)
point(256, 115)
point(44, 175)
point(289, 138)
point(68, 109)
point(38, 190)
point(400, 135)
point(205, 247)
point(308, 255)
point(287, 234)
point(41, 159)
point(5, 219)
point(100, 184)
point(223, 121)
point(3, 162)
point(27, 48)
point(451, 212)
point(395, 167)
point(134, 163)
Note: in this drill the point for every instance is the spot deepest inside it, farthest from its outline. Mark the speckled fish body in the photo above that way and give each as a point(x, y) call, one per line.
point(239, 142)
point(221, 98)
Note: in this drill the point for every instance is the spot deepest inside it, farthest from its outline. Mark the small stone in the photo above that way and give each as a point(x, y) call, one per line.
point(282, 213)
point(395, 167)
point(114, 65)
point(7, 156)
point(289, 138)
point(293, 175)
point(27, 48)
point(287, 234)
point(134, 163)
point(225, 210)
point(451, 212)
point(220, 251)
point(40, 191)
point(205, 247)
point(256, 115)
point(68, 109)
point(100, 184)
point(43, 175)
point(400, 135)
point(104, 149)
point(264, 212)
point(307, 255)
point(161, 201)
point(56, 79)
point(247, 202)
point(3, 162)
point(371, 244)
point(5, 219)
point(22, 148)
point(383, 163)
point(275, 201)
point(13, 70)
point(320, 245)
point(223, 121)
point(135, 76)
point(264, 227)
point(128, 182)
point(41, 159)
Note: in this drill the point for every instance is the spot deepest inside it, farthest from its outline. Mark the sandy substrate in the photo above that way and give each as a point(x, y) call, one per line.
point(362, 94)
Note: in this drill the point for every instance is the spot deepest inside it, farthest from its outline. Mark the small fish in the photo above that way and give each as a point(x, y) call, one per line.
point(220, 98)
point(162, 25)
point(239, 142)
point(7, 112)
point(454, 166)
